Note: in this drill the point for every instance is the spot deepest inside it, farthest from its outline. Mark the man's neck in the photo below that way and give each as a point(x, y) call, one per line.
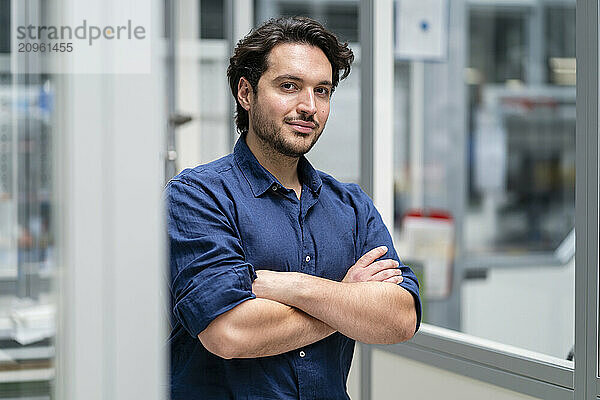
point(282, 167)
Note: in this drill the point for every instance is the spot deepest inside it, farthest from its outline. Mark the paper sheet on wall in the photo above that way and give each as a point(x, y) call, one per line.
point(431, 240)
point(422, 29)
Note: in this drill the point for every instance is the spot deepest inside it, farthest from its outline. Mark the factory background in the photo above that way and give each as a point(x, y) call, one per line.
point(469, 122)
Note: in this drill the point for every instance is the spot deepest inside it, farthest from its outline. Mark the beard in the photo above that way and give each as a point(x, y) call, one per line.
point(267, 131)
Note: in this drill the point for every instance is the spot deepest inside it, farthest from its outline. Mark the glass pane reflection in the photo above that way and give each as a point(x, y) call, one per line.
point(27, 258)
point(522, 188)
point(498, 158)
point(27, 308)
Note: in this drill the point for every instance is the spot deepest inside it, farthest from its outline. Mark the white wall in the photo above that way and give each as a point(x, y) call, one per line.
point(527, 307)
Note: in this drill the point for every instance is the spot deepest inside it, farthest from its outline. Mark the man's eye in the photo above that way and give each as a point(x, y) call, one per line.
point(323, 91)
point(288, 86)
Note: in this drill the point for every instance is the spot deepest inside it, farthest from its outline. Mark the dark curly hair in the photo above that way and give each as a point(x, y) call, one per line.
point(250, 57)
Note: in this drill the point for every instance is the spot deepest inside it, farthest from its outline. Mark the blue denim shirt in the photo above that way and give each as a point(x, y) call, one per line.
point(231, 217)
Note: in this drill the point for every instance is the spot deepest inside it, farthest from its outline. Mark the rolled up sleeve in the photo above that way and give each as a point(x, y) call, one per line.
point(209, 274)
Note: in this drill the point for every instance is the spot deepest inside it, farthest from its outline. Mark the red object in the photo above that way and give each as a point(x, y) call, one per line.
point(428, 213)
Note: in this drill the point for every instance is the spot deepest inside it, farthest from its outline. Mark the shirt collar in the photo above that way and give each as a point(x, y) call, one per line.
point(260, 180)
point(309, 176)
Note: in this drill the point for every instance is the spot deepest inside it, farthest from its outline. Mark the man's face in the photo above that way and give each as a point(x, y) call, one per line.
point(291, 106)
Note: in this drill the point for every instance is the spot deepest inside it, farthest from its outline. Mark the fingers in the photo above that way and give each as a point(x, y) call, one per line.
point(385, 275)
point(394, 279)
point(382, 265)
point(370, 256)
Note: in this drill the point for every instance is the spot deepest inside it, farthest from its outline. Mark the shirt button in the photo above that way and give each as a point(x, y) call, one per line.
point(307, 258)
point(274, 188)
point(302, 354)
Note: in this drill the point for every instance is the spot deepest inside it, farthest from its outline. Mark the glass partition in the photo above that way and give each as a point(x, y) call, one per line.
point(27, 230)
point(485, 168)
point(521, 82)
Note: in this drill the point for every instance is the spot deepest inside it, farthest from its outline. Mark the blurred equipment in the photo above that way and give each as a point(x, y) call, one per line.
point(525, 166)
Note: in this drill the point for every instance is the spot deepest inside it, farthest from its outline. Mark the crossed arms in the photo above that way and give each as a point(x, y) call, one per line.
point(292, 310)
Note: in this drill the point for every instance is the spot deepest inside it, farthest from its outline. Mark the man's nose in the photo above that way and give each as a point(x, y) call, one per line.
point(307, 105)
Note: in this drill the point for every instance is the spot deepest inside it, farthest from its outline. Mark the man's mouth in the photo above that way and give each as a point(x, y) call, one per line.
point(302, 126)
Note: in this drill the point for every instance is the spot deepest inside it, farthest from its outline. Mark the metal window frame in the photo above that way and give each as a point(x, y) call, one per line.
point(367, 92)
point(587, 384)
point(171, 9)
point(509, 367)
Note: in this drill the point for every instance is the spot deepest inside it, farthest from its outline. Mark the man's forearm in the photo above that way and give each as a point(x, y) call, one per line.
point(371, 312)
point(260, 328)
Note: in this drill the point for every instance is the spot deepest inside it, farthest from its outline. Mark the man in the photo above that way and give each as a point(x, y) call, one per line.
point(278, 268)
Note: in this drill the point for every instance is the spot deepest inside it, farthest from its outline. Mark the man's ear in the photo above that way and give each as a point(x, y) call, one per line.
point(244, 93)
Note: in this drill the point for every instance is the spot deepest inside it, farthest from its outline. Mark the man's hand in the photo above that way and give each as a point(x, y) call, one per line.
point(367, 269)
point(268, 282)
